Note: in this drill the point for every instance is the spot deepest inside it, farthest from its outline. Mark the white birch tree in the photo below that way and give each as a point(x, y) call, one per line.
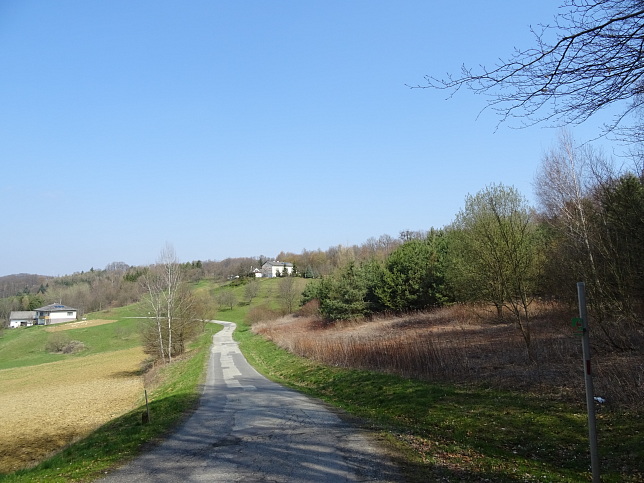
point(163, 284)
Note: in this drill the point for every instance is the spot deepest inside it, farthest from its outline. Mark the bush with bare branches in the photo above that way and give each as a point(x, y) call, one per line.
point(262, 313)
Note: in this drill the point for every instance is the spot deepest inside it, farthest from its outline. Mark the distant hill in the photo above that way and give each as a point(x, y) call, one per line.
point(13, 284)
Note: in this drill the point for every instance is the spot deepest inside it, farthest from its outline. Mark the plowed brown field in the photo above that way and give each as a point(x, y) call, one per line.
point(43, 408)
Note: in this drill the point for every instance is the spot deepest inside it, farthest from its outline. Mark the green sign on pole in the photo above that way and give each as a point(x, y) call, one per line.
point(578, 325)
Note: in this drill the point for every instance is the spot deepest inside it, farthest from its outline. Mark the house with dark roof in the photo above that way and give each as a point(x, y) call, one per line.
point(55, 314)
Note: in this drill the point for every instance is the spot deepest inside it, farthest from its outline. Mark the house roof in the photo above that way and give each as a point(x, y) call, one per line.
point(22, 314)
point(54, 308)
point(276, 263)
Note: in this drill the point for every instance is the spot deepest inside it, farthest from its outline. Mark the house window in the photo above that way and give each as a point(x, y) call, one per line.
point(70, 314)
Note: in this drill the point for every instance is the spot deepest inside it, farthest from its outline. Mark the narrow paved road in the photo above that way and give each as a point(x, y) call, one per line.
point(250, 429)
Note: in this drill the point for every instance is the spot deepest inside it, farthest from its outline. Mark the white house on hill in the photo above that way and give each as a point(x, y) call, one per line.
point(55, 314)
point(271, 269)
point(22, 318)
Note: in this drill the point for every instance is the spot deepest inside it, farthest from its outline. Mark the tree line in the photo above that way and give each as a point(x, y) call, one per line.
point(500, 251)
point(119, 284)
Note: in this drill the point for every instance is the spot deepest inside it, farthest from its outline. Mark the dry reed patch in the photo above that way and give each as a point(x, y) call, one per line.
point(44, 408)
point(465, 344)
point(81, 324)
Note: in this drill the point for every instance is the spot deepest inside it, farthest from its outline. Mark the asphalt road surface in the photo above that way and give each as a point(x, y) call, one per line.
point(249, 429)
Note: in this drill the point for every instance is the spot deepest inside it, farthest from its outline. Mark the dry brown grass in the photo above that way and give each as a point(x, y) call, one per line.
point(81, 324)
point(467, 344)
point(44, 408)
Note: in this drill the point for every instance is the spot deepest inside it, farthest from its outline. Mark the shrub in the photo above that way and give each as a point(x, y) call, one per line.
point(262, 313)
point(61, 343)
point(310, 308)
point(73, 346)
point(57, 341)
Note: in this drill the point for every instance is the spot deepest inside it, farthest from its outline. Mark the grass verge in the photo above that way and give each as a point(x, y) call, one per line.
point(124, 437)
point(444, 432)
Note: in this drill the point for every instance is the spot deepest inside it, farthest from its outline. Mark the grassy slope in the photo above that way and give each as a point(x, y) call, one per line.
point(267, 296)
point(26, 346)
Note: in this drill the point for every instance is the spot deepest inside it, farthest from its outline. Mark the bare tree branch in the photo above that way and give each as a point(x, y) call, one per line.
point(595, 61)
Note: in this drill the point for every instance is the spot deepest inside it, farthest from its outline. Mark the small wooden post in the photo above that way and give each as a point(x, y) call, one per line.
point(146, 414)
point(588, 378)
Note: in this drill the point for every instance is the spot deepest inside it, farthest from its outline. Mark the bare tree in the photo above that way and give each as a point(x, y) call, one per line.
point(172, 278)
point(597, 216)
point(251, 290)
point(163, 283)
point(151, 280)
point(188, 320)
point(6, 306)
point(595, 60)
point(227, 299)
point(117, 267)
point(289, 292)
point(562, 186)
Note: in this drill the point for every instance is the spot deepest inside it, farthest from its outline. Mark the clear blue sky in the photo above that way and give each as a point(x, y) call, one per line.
point(231, 128)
